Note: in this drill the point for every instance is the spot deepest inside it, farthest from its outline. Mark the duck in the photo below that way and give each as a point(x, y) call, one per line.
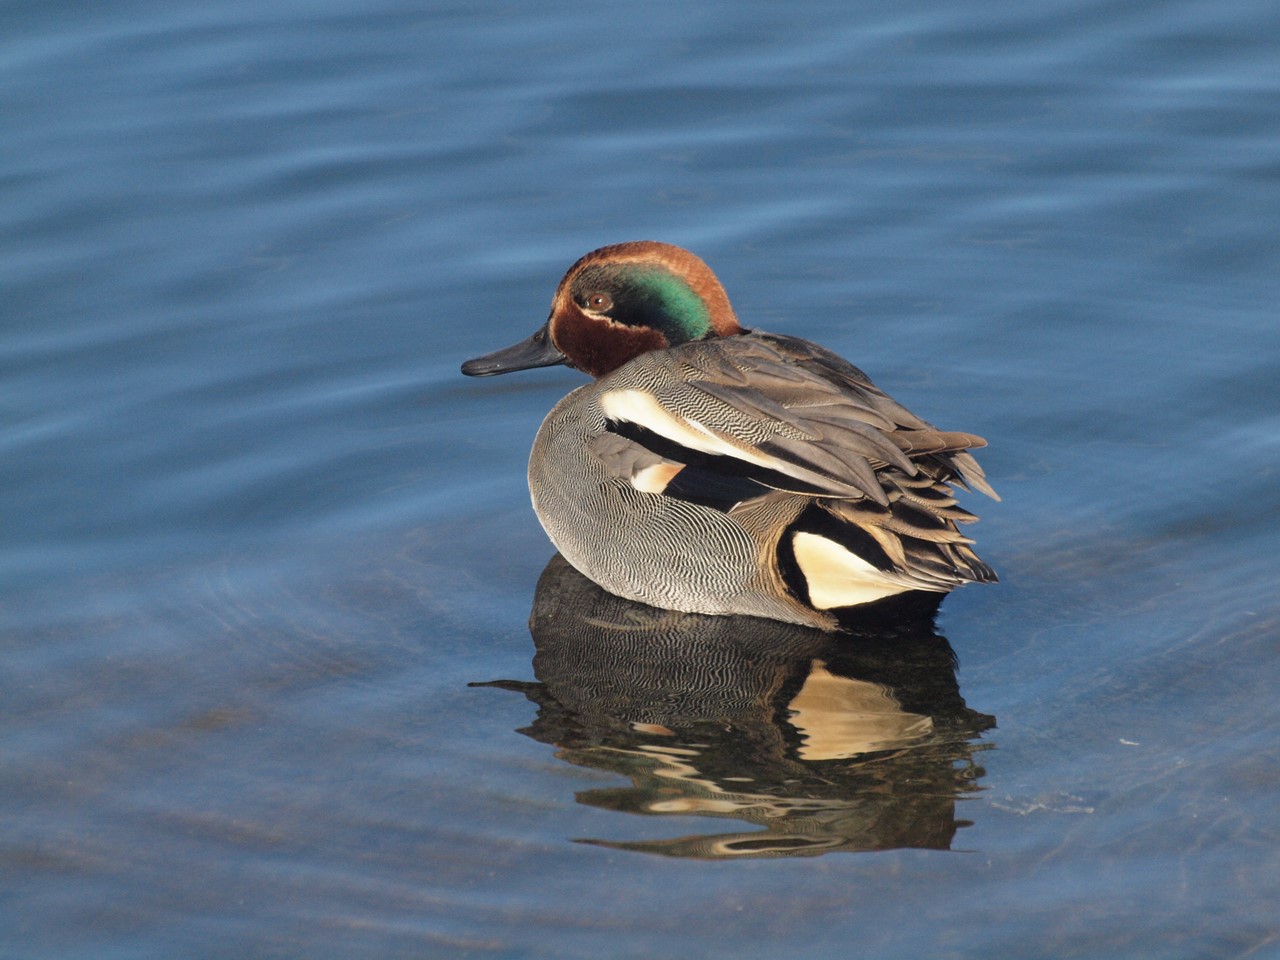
point(713, 469)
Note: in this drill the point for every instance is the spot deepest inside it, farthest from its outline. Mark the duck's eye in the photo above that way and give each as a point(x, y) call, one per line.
point(599, 302)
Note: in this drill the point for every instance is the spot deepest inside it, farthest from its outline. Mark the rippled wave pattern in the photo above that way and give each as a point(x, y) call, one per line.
point(265, 553)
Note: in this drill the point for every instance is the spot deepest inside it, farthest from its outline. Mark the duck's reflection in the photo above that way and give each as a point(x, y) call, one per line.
point(858, 741)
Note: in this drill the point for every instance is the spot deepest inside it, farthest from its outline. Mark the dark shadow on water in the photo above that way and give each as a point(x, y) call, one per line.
point(853, 741)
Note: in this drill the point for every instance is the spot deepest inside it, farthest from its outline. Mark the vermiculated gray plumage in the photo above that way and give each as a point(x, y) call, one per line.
point(806, 441)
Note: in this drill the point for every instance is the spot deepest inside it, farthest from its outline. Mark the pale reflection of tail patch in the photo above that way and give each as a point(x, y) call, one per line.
point(839, 717)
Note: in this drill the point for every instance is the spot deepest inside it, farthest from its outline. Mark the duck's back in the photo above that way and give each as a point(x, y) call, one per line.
point(754, 474)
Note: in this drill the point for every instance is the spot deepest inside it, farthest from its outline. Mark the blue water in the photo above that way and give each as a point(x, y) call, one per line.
point(260, 539)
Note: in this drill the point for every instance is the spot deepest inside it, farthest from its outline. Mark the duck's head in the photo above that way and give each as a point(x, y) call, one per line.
point(617, 303)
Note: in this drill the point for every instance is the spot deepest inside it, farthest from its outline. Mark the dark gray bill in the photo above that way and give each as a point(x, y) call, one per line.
point(537, 351)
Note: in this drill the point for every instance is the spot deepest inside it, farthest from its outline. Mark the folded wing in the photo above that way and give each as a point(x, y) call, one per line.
point(784, 414)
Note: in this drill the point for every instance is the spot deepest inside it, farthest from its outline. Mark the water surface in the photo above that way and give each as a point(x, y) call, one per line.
point(267, 562)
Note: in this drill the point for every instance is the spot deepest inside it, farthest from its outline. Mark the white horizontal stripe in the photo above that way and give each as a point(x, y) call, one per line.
point(639, 407)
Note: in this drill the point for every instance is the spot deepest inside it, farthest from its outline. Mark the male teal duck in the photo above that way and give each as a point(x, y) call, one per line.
point(719, 470)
